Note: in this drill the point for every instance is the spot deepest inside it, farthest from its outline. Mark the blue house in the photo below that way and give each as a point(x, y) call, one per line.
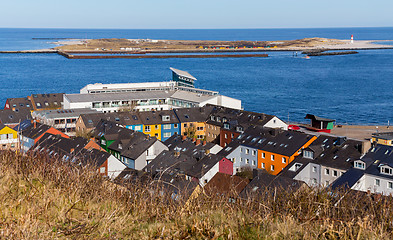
point(133, 121)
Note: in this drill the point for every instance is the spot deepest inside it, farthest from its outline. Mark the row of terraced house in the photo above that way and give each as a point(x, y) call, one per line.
point(189, 135)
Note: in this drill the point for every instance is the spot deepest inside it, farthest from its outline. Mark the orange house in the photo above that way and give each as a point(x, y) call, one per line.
point(276, 155)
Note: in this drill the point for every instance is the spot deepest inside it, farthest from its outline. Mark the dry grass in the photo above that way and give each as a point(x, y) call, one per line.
point(46, 199)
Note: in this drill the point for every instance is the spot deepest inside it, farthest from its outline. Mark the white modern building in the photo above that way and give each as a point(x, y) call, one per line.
point(176, 93)
point(146, 101)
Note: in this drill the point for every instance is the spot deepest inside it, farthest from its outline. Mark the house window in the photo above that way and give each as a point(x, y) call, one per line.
point(377, 182)
point(308, 154)
point(103, 142)
point(360, 165)
point(314, 169)
point(185, 124)
point(241, 160)
point(175, 125)
point(297, 166)
point(225, 136)
point(390, 185)
point(233, 160)
point(248, 161)
point(167, 126)
point(147, 128)
point(200, 128)
point(263, 165)
point(326, 183)
point(272, 157)
point(272, 168)
point(335, 173)
point(157, 127)
point(314, 181)
point(166, 118)
point(138, 128)
point(284, 160)
point(327, 171)
point(263, 155)
point(254, 152)
point(167, 134)
point(254, 162)
point(386, 170)
point(241, 149)
point(247, 151)
point(102, 170)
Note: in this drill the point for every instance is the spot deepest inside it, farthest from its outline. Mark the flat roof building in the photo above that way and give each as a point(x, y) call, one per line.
point(146, 101)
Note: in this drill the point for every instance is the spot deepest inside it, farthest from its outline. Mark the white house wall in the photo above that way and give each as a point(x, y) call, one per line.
point(275, 122)
point(209, 175)
point(329, 178)
point(115, 167)
point(369, 185)
point(307, 175)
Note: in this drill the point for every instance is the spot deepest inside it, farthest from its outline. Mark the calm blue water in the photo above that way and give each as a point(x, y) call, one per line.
point(351, 89)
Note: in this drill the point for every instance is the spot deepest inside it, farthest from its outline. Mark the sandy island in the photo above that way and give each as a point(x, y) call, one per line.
point(164, 46)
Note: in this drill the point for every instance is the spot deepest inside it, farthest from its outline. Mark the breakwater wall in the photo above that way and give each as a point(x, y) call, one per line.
point(136, 56)
point(330, 53)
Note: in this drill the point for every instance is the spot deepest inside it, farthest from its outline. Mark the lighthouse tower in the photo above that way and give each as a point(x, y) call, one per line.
point(351, 38)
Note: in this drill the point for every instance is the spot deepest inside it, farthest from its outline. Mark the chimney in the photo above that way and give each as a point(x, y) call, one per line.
point(194, 139)
point(72, 150)
point(183, 137)
point(198, 142)
point(366, 145)
point(35, 124)
point(207, 151)
point(274, 132)
point(204, 143)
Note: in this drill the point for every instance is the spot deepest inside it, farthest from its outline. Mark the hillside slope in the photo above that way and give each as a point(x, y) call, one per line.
point(43, 198)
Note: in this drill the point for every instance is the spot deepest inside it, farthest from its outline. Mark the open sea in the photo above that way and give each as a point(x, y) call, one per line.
point(353, 89)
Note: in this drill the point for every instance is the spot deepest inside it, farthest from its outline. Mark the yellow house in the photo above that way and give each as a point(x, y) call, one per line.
point(153, 130)
point(193, 120)
point(384, 138)
point(8, 138)
point(198, 129)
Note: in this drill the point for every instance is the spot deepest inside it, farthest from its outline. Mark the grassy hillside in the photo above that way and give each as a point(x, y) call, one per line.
point(46, 199)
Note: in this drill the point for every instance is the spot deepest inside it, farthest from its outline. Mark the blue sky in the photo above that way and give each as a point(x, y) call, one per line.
point(159, 14)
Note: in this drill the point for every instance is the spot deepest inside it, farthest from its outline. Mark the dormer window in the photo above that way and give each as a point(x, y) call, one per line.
point(308, 154)
point(226, 125)
point(360, 165)
point(297, 166)
point(386, 170)
point(166, 118)
point(218, 119)
point(224, 120)
point(212, 118)
point(239, 129)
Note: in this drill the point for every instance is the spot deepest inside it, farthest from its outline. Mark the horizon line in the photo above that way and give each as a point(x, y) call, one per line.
point(246, 28)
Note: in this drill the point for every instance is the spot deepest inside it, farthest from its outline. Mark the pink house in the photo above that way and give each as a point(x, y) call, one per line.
point(208, 167)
